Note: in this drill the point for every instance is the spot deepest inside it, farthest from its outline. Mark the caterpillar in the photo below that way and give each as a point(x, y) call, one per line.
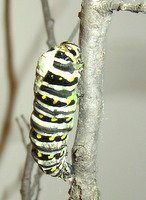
point(55, 99)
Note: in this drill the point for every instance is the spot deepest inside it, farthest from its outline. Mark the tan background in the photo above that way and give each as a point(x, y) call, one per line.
point(122, 149)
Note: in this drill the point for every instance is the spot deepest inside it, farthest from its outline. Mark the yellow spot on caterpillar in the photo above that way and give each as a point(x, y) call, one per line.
point(41, 116)
point(53, 169)
point(60, 78)
point(39, 154)
point(68, 119)
point(39, 136)
point(50, 156)
point(52, 76)
point(71, 78)
point(68, 101)
point(61, 154)
point(54, 119)
point(63, 136)
point(55, 101)
point(44, 97)
point(51, 138)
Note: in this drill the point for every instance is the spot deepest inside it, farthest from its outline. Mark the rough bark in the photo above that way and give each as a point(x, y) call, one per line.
point(94, 24)
point(95, 19)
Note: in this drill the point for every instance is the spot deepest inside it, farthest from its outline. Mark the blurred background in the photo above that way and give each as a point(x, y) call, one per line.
point(122, 138)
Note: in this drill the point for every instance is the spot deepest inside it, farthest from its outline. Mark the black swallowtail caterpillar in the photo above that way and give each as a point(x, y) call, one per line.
point(57, 74)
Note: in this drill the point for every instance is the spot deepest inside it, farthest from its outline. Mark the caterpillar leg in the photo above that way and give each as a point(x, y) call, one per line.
point(64, 172)
point(67, 172)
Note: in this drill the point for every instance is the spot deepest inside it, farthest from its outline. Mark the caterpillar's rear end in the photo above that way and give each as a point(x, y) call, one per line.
point(57, 75)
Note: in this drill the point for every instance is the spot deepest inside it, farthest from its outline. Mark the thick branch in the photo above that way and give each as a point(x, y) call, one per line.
point(95, 18)
point(92, 35)
point(49, 23)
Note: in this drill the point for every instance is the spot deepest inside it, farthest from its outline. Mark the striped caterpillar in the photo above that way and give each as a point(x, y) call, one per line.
point(55, 98)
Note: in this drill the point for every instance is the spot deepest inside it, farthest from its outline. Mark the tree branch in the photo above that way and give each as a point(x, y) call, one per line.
point(92, 36)
point(49, 23)
point(25, 122)
point(36, 183)
point(95, 19)
point(22, 133)
point(132, 7)
point(26, 179)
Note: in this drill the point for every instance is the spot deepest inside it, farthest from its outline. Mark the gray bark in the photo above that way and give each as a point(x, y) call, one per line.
point(95, 19)
point(94, 24)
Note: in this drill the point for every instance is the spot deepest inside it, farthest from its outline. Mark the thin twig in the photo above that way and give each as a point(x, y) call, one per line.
point(49, 23)
point(25, 122)
point(26, 179)
point(11, 77)
point(22, 133)
point(36, 183)
point(72, 35)
point(132, 6)
point(29, 192)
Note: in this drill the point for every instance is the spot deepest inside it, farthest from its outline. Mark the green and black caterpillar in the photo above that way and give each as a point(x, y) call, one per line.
point(57, 75)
